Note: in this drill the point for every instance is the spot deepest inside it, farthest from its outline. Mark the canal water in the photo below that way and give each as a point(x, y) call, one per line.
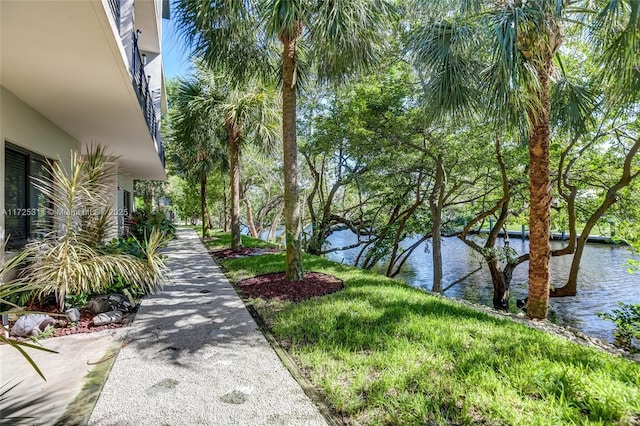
point(604, 278)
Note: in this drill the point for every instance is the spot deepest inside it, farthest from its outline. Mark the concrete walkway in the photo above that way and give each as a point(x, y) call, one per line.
point(194, 356)
point(68, 372)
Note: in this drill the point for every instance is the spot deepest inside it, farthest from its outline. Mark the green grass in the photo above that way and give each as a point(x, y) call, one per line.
point(385, 353)
point(218, 240)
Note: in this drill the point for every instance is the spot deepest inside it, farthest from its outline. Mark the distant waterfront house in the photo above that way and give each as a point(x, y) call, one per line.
point(75, 74)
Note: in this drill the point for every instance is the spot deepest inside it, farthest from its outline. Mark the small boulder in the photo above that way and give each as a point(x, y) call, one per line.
point(32, 324)
point(73, 314)
point(109, 302)
point(107, 318)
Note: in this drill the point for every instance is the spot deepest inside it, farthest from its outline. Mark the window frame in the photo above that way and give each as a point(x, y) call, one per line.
point(31, 157)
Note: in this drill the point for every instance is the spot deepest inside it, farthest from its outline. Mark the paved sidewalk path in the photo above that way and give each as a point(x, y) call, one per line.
point(194, 356)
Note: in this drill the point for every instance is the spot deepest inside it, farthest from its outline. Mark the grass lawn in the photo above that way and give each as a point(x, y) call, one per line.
point(221, 240)
point(385, 353)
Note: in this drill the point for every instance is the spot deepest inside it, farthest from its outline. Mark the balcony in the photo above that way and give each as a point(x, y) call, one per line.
point(146, 97)
point(114, 5)
point(86, 85)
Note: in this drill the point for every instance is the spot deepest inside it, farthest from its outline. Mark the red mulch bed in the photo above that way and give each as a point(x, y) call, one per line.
point(64, 328)
point(275, 286)
point(85, 325)
point(242, 252)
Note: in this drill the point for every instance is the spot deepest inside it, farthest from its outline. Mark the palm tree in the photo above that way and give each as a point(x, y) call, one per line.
point(209, 106)
point(337, 38)
point(249, 115)
point(195, 146)
point(521, 40)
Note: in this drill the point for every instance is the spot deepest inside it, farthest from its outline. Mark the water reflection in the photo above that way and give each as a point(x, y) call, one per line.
point(603, 279)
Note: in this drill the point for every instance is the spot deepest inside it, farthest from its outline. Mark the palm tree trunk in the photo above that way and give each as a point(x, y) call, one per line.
point(234, 177)
point(540, 203)
point(203, 202)
point(225, 208)
point(292, 224)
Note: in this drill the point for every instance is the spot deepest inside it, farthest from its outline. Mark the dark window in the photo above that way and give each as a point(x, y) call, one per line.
point(126, 202)
point(23, 203)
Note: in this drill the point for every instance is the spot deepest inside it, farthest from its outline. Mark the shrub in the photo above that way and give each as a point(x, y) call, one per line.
point(71, 257)
point(141, 223)
point(627, 320)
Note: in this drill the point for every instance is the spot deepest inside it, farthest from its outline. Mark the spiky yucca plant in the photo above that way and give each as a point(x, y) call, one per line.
point(69, 259)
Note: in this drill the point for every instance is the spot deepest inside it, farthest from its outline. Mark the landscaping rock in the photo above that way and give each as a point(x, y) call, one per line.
point(107, 317)
point(73, 314)
point(31, 324)
point(109, 302)
point(14, 313)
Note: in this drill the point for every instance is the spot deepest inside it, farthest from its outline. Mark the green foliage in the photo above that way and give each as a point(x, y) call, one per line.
point(142, 223)
point(44, 334)
point(145, 191)
point(505, 254)
point(79, 300)
point(627, 320)
point(126, 245)
point(386, 353)
point(184, 199)
point(71, 258)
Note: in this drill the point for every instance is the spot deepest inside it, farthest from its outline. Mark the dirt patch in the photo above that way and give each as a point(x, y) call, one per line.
point(275, 286)
point(223, 254)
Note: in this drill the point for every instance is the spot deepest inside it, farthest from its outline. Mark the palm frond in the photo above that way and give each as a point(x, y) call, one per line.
point(224, 33)
point(444, 49)
point(347, 37)
point(615, 32)
point(573, 105)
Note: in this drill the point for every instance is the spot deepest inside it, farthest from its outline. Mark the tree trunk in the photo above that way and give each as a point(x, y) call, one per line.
point(250, 221)
point(274, 224)
point(203, 202)
point(571, 287)
point(436, 253)
point(225, 206)
point(540, 203)
point(436, 201)
point(234, 177)
point(147, 198)
point(500, 287)
point(292, 223)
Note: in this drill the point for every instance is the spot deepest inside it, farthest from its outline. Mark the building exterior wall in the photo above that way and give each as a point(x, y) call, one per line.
point(125, 183)
point(26, 128)
point(33, 114)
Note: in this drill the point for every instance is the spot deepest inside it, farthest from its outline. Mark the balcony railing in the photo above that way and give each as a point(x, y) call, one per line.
point(141, 83)
point(114, 5)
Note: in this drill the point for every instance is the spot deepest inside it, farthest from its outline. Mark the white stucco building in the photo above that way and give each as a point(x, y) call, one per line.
point(75, 74)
